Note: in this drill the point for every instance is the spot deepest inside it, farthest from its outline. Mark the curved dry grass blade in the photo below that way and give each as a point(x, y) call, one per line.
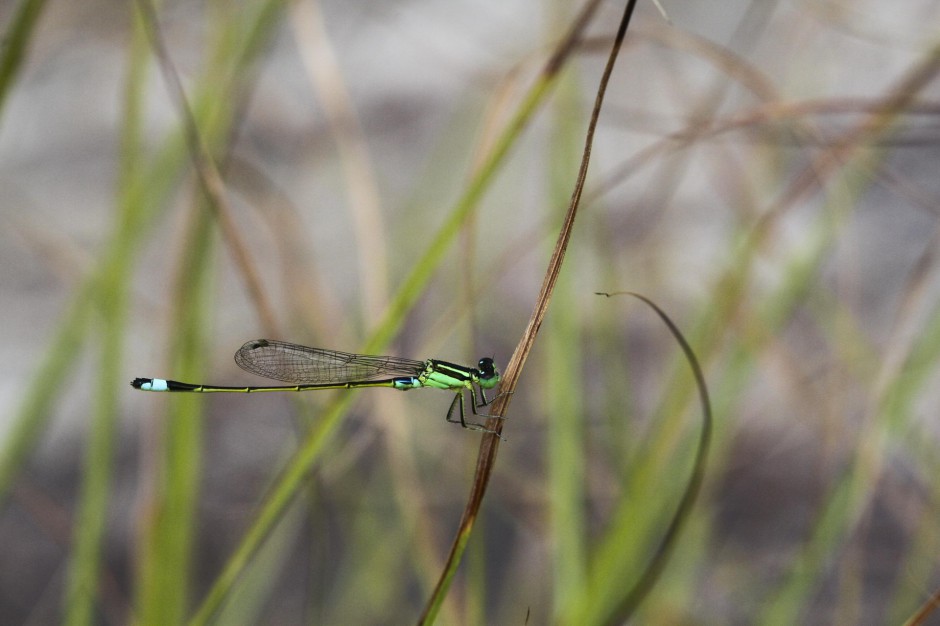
point(624, 609)
point(490, 443)
point(210, 180)
point(365, 204)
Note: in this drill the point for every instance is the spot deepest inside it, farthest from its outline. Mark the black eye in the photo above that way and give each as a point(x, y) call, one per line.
point(486, 366)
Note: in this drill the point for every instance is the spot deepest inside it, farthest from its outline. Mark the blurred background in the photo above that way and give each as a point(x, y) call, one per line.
point(767, 172)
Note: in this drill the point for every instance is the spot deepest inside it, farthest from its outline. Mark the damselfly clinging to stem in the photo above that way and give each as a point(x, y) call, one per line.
point(316, 368)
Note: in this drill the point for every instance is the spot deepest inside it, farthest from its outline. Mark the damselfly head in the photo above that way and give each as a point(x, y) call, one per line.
point(488, 372)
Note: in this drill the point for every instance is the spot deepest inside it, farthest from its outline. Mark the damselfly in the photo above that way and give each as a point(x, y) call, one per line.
point(316, 368)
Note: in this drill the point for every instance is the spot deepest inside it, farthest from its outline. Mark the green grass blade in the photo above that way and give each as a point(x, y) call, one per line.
point(165, 564)
point(91, 519)
point(15, 42)
point(112, 296)
point(563, 401)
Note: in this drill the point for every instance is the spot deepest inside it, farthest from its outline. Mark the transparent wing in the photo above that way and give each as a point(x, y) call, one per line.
point(292, 363)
